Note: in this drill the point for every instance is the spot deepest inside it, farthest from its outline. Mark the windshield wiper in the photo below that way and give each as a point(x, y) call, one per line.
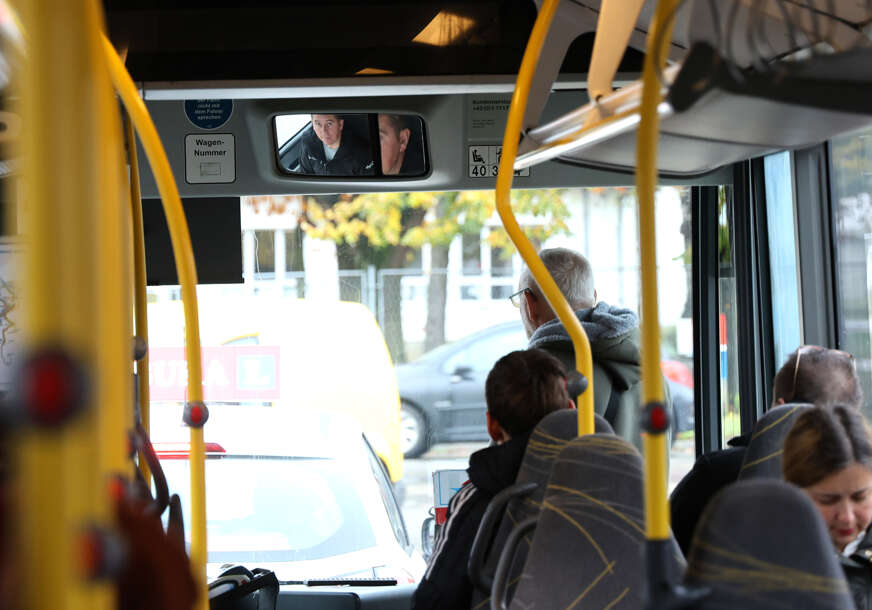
point(339, 582)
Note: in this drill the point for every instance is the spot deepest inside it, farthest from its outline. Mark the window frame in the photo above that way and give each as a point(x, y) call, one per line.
point(706, 344)
point(753, 296)
point(816, 241)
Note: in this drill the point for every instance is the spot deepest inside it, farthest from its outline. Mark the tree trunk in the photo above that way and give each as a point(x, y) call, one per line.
point(687, 232)
point(436, 297)
point(437, 286)
point(349, 288)
point(393, 320)
point(391, 295)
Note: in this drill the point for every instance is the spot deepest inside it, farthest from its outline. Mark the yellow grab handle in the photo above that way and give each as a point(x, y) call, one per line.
point(187, 273)
point(613, 29)
point(654, 445)
point(583, 359)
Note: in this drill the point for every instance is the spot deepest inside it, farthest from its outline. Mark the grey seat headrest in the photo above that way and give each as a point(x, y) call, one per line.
point(590, 537)
point(763, 458)
point(548, 439)
point(761, 544)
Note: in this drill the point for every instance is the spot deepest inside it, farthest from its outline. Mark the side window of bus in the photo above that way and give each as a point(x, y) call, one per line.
point(731, 423)
point(781, 224)
point(851, 183)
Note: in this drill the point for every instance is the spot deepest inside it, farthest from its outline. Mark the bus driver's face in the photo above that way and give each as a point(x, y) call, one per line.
point(328, 128)
point(393, 145)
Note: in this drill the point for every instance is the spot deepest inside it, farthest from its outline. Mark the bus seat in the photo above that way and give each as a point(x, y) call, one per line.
point(763, 458)
point(548, 439)
point(588, 547)
point(762, 544)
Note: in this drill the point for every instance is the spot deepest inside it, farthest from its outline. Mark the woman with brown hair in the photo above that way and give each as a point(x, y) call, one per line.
point(828, 453)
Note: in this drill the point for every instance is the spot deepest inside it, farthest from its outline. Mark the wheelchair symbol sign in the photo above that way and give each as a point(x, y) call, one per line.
point(484, 161)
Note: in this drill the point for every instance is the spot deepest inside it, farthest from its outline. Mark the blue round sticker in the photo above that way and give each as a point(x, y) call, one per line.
point(208, 114)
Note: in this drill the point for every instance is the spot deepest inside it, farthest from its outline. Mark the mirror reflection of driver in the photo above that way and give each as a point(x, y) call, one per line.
point(394, 134)
point(327, 150)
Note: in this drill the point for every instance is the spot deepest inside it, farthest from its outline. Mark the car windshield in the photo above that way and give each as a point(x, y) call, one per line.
point(277, 509)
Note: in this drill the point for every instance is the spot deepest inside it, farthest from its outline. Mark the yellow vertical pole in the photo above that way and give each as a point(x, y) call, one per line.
point(558, 303)
point(139, 289)
point(654, 445)
point(187, 273)
point(114, 328)
point(59, 483)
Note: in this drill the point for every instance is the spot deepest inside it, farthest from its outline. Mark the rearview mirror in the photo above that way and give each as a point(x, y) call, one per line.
point(461, 373)
point(351, 145)
point(428, 537)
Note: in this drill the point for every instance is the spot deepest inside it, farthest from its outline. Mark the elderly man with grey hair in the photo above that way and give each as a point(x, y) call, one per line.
point(613, 333)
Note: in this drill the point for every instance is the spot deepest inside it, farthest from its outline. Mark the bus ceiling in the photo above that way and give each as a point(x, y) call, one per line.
point(310, 39)
point(451, 66)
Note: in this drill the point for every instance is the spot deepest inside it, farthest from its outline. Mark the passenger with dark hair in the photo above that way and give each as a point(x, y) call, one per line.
point(328, 149)
point(819, 376)
point(521, 389)
point(828, 453)
point(812, 374)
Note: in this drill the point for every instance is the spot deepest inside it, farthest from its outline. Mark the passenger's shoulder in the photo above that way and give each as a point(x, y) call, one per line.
point(466, 496)
point(358, 144)
point(720, 458)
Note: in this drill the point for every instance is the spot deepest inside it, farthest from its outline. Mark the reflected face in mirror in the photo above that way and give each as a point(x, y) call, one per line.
point(393, 138)
point(328, 128)
point(344, 144)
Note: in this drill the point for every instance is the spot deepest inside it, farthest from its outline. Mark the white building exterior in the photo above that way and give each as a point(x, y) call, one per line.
point(603, 227)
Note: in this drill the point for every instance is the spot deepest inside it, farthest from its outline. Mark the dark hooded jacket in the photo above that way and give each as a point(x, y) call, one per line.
point(710, 473)
point(446, 583)
point(353, 157)
point(858, 571)
point(614, 342)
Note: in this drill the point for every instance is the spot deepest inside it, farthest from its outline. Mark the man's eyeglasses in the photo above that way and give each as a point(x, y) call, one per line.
point(805, 349)
point(516, 298)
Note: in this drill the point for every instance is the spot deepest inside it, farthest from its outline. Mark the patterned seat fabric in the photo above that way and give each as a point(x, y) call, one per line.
point(761, 544)
point(546, 442)
point(588, 546)
point(763, 458)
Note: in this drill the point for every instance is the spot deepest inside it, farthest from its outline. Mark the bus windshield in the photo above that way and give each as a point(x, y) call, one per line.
point(390, 309)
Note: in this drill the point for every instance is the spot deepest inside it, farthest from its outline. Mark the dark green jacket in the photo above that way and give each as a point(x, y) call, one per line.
point(614, 341)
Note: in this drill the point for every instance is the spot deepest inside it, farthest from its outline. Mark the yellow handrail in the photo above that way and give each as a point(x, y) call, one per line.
point(140, 300)
point(558, 303)
point(654, 445)
point(187, 273)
